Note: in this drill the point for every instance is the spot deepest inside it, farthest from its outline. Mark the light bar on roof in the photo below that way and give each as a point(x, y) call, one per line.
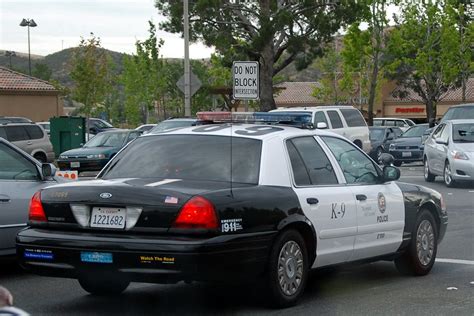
point(301, 119)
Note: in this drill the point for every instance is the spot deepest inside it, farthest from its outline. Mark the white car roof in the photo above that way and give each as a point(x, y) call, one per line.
point(313, 108)
point(283, 131)
point(461, 121)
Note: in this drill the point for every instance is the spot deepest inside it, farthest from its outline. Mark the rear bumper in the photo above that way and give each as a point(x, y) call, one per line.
point(144, 259)
point(415, 155)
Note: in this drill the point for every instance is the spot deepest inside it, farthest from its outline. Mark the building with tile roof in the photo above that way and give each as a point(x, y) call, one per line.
point(26, 96)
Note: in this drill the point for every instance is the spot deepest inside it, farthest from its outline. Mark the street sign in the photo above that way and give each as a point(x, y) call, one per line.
point(195, 83)
point(245, 80)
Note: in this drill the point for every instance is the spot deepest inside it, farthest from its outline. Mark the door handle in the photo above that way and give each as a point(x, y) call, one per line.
point(4, 199)
point(29, 143)
point(312, 200)
point(361, 197)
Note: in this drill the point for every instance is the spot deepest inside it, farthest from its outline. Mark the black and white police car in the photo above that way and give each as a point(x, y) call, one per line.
point(232, 201)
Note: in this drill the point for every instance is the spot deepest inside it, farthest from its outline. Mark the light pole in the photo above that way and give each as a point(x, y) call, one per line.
point(10, 53)
point(187, 83)
point(28, 23)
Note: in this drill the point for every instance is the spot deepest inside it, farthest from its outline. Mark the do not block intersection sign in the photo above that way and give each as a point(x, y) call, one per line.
point(245, 80)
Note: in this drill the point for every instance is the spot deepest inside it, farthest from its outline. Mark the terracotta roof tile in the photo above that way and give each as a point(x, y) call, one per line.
point(12, 80)
point(450, 96)
point(296, 93)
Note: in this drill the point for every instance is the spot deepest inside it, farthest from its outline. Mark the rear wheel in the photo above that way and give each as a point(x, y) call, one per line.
point(448, 176)
point(103, 284)
point(429, 177)
point(421, 253)
point(397, 163)
point(288, 269)
point(40, 157)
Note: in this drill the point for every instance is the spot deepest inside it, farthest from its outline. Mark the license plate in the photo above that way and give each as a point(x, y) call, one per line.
point(406, 154)
point(75, 164)
point(108, 217)
point(96, 257)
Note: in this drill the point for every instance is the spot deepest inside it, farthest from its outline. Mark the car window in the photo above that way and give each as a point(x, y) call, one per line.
point(389, 123)
point(463, 133)
point(438, 131)
point(16, 133)
point(410, 122)
point(13, 166)
point(335, 119)
point(376, 134)
point(378, 122)
point(398, 132)
point(34, 132)
point(132, 136)
point(445, 133)
point(190, 157)
point(319, 116)
point(353, 117)
point(400, 123)
point(357, 167)
point(306, 153)
point(3, 133)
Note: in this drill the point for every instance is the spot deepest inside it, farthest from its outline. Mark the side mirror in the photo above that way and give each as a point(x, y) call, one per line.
point(440, 141)
point(390, 136)
point(93, 130)
point(321, 125)
point(390, 173)
point(47, 171)
point(386, 159)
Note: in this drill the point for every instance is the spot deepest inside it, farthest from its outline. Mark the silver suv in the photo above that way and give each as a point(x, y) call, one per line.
point(29, 137)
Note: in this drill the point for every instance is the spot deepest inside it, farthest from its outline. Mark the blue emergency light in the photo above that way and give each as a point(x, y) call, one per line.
point(298, 119)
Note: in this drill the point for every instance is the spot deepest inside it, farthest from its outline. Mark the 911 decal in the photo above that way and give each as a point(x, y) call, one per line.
point(231, 225)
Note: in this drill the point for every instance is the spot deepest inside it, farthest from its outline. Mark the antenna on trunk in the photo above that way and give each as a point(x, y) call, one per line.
point(231, 154)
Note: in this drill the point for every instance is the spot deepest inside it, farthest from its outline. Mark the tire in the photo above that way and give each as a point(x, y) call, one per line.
point(420, 255)
point(397, 163)
point(103, 284)
point(447, 176)
point(429, 177)
point(288, 250)
point(40, 157)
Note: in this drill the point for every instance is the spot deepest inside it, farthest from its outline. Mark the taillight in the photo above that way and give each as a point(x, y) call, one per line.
point(36, 213)
point(198, 212)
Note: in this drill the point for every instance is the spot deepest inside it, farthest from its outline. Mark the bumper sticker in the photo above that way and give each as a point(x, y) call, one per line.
point(157, 259)
point(38, 254)
point(96, 257)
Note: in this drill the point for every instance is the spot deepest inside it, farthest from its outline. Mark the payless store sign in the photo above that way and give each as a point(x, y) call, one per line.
point(245, 80)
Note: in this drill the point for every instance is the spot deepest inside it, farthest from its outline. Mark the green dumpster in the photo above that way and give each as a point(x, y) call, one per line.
point(67, 132)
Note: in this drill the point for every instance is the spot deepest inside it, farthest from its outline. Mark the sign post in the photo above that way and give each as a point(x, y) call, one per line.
point(245, 80)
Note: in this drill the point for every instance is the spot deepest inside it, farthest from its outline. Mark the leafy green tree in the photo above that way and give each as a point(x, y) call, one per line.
point(364, 51)
point(90, 73)
point(275, 33)
point(423, 52)
point(42, 71)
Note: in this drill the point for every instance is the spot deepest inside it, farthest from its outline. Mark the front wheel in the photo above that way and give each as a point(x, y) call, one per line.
point(420, 256)
point(429, 177)
point(448, 176)
point(103, 284)
point(287, 269)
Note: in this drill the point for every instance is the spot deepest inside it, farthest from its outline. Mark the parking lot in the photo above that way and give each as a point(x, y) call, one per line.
point(376, 288)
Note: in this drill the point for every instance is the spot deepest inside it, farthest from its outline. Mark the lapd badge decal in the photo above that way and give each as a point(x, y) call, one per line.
point(381, 202)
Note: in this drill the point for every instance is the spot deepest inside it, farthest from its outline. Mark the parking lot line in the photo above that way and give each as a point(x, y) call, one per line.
point(458, 261)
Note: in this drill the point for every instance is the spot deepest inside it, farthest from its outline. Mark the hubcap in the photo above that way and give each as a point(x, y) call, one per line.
point(290, 268)
point(425, 242)
point(447, 174)
point(427, 170)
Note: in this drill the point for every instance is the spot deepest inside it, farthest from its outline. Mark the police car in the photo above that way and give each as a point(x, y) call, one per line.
point(255, 197)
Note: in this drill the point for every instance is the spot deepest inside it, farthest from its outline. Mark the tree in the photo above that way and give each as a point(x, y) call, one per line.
point(364, 50)
point(275, 33)
point(42, 71)
point(423, 53)
point(90, 73)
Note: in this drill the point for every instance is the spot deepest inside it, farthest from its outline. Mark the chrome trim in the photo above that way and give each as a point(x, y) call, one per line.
point(13, 225)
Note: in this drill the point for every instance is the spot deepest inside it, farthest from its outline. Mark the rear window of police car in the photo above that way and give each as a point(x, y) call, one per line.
point(190, 157)
point(353, 117)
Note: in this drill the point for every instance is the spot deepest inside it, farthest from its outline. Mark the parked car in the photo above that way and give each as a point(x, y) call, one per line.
point(97, 152)
point(380, 138)
point(459, 112)
point(46, 126)
point(14, 119)
point(31, 138)
point(344, 120)
point(409, 146)
point(97, 125)
point(172, 123)
point(449, 152)
point(402, 123)
point(145, 128)
point(20, 177)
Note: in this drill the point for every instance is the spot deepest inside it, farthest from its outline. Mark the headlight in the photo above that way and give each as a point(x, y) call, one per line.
point(98, 156)
point(391, 147)
point(63, 157)
point(459, 155)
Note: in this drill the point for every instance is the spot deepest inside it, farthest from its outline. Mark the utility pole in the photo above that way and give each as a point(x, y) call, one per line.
point(187, 83)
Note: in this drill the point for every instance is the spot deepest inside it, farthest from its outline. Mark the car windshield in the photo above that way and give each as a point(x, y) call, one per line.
point(463, 133)
point(190, 157)
point(376, 134)
point(171, 124)
point(107, 140)
point(101, 124)
point(415, 131)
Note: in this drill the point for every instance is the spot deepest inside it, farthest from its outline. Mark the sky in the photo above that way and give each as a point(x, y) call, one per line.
point(61, 23)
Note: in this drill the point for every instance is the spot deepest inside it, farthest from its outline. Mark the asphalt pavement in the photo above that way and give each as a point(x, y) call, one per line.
point(371, 289)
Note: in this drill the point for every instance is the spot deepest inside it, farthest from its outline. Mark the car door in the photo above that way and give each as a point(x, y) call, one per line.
point(328, 204)
point(380, 206)
point(438, 151)
point(19, 180)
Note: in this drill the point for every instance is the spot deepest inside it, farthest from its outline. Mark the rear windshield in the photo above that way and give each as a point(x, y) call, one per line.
point(171, 124)
point(190, 157)
point(353, 117)
point(459, 113)
point(415, 131)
